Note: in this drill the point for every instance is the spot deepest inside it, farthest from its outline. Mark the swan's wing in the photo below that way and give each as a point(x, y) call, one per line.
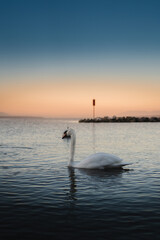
point(100, 161)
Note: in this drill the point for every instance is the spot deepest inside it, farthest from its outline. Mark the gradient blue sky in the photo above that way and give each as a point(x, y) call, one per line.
point(98, 42)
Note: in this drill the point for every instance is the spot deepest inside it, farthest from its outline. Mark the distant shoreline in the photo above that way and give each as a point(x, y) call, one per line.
point(40, 117)
point(113, 119)
point(119, 119)
point(21, 117)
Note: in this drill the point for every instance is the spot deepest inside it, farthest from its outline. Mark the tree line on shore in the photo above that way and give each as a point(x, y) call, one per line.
point(121, 119)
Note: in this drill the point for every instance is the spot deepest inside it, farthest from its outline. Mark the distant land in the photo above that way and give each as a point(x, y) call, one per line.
point(5, 115)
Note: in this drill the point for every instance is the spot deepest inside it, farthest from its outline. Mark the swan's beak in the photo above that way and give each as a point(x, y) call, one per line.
point(64, 135)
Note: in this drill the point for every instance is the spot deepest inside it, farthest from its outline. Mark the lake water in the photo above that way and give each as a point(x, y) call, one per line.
point(41, 198)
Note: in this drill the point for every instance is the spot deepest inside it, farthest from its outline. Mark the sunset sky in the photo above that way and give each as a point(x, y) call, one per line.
point(57, 55)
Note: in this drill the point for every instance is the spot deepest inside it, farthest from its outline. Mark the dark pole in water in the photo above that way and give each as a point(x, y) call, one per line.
point(94, 103)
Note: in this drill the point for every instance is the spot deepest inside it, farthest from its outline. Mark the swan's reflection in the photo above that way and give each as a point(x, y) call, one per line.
point(96, 175)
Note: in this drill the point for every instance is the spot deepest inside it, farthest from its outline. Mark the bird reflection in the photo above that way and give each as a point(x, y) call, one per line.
point(99, 176)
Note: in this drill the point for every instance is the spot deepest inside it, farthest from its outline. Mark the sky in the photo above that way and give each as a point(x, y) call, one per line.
point(58, 55)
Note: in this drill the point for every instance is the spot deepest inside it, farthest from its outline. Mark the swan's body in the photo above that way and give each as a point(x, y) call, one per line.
point(94, 161)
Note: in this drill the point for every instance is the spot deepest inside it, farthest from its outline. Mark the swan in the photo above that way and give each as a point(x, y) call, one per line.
point(95, 161)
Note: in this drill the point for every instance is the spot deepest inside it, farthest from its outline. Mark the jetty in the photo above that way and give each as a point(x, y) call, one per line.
point(115, 119)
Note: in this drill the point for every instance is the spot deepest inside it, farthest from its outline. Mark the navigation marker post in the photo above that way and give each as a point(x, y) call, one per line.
point(94, 104)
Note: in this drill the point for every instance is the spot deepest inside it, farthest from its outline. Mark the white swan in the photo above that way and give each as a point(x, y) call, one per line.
point(94, 161)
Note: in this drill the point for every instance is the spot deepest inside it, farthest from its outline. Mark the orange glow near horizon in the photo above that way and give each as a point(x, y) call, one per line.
point(70, 98)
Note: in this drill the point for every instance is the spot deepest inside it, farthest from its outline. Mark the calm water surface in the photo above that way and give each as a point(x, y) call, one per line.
point(41, 197)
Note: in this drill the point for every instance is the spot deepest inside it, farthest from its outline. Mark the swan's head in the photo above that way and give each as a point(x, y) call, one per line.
point(68, 133)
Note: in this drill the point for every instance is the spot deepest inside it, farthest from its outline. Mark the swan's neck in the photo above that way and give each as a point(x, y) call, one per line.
point(73, 143)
